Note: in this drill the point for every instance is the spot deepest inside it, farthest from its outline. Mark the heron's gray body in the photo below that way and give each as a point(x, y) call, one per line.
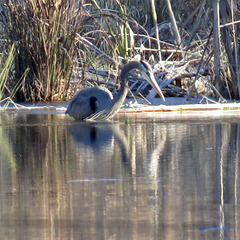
point(90, 103)
point(80, 107)
point(97, 103)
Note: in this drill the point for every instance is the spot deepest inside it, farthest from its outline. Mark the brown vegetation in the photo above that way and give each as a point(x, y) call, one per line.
point(64, 44)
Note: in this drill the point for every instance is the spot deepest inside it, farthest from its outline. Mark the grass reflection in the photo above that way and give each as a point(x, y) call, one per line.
point(7, 159)
point(106, 180)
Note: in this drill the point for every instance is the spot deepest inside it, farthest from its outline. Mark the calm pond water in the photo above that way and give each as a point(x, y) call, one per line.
point(157, 177)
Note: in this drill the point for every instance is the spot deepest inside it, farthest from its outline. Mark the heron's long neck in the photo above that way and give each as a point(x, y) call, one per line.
point(121, 95)
point(114, 105)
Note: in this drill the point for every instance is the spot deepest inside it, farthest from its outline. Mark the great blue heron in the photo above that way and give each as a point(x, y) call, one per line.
point(97, 103)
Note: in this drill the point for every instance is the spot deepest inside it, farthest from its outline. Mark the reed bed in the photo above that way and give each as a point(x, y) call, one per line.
point(63, 46)
point(45, 34)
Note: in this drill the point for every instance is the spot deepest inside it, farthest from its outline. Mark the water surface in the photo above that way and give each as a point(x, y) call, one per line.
point(156, 177)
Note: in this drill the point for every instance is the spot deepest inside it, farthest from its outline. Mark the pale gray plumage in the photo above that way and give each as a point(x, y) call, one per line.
point(97, 103)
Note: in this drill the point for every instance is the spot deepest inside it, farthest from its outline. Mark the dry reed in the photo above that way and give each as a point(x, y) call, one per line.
point(58, 40)
point(45, 35)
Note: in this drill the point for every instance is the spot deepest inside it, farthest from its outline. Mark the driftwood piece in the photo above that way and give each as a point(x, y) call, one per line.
point(102, 73)
point(110, 83)
point(175, 74)
point(175, 70)
point(165, 72)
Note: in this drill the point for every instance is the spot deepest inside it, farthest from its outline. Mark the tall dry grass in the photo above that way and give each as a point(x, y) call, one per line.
point(58, 40)
point(45, 34)
point(52, 37)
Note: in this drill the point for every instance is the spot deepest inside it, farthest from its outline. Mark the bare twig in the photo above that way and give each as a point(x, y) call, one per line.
point(236, 49)
point(229, 24)
point(7, 101)
point(95, 48)
point(154, 14)
point(174, 24)
point(196, 25)
point(216, 36)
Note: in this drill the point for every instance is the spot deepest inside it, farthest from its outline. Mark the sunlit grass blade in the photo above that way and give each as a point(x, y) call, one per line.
point(7, 66)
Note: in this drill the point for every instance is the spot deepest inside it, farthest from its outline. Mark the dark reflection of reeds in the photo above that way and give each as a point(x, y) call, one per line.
point(118, 180)
point(37, 192)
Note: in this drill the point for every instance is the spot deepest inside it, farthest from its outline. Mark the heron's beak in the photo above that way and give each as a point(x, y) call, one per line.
point(151, 79)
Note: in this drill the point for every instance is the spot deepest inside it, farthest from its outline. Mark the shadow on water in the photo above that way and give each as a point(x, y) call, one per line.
point(125, 179)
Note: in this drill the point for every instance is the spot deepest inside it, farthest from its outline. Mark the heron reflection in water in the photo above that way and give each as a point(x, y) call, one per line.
point(97, 103)
point(99, 136)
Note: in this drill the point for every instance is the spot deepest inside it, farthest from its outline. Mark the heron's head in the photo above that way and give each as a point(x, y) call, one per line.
point(147, 73)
